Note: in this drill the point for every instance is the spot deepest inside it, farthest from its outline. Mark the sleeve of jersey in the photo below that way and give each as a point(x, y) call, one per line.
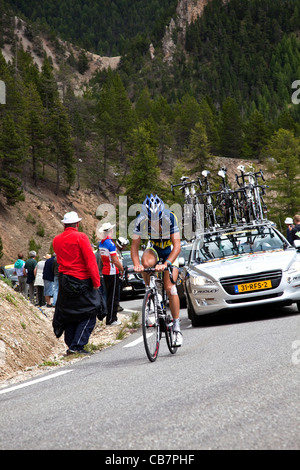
point(174, 224)
point(111, 247)
point(137, 227)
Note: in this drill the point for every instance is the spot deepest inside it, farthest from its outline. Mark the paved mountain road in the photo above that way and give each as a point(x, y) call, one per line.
point(233, 385)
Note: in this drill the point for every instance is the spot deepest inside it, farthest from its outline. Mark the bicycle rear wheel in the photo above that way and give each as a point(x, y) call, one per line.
point(150, 327)
point(169, 335)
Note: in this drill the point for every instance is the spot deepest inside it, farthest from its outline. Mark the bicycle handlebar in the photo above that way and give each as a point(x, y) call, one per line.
point(254, 174)
point(151, 270)
point(183, 184)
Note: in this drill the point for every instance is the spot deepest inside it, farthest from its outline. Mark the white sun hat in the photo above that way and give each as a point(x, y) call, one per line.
point(106, 227)
point(288, 220)
point(71, 218)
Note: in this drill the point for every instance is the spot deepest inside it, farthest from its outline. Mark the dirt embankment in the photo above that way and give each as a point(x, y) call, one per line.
point(28, 346)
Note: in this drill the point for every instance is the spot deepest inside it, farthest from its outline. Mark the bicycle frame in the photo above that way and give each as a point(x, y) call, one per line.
point(191, 218)
point(253, 200)
point(155, 317)
point(210, 211)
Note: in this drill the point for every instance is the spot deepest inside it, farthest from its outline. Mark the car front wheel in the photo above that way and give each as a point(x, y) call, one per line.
point(196, 320)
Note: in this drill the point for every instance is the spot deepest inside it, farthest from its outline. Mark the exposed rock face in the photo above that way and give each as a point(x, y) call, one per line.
point(168, 44)
point(186, 13)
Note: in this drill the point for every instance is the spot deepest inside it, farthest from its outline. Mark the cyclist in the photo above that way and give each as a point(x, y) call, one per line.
point(159, 226)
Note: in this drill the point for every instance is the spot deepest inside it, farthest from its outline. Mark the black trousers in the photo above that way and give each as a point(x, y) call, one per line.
point(112, 296)
point(77, 333)
point(40, 295)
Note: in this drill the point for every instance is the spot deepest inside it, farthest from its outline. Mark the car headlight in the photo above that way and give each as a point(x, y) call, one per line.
point(130, 277)
point(200, 281)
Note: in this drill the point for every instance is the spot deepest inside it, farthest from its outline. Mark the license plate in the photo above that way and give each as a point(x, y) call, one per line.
point(251, 286)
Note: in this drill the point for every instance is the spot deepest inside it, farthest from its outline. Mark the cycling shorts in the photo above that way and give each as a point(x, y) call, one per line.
point(163, 256)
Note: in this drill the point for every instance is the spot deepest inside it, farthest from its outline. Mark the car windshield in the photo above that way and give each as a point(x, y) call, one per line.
point(126, 259)
point(185, 252)
point(219, 245)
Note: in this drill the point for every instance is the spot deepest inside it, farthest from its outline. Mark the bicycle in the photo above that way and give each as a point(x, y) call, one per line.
point(228, 202)
point(252, 200)
point(209, 208)
point(192, 212)
point(156, 319)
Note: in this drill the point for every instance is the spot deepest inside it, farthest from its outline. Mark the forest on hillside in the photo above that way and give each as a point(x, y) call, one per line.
point(246, 49)
point(136, 133)
point(104, 27)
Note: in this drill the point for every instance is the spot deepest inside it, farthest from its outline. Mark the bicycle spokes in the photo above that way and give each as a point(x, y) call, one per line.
point(150, 326)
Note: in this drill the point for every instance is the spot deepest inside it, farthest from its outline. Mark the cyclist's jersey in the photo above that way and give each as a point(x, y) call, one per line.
point(107, 250)
point(158, 239)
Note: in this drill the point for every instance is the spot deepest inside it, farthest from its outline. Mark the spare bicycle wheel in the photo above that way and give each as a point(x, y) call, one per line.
point(150, 327)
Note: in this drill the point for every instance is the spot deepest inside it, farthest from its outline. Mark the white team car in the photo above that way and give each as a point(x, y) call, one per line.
point(244, 266)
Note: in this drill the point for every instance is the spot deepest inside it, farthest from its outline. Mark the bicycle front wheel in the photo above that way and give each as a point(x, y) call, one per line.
point(150, 327)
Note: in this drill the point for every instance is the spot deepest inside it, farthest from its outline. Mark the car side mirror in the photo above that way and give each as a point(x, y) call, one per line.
point(297, 244)
point(181, 261)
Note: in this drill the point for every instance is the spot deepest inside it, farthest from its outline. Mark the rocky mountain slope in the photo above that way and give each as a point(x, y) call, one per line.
point(40, 45)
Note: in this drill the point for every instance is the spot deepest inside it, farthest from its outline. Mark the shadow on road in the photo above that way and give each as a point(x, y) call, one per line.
point(246, 315)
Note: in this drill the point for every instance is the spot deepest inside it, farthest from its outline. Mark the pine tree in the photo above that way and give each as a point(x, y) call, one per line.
point(83, 63)
point(283, 153)
point(143, 105)
point(209, 119)
point(187, 113)
point(104, 126)
point(123, 116)
point(62, 151)
point(163, 116)
point(36, 131)
point(230, 130)
point(47, 86)
point(11, 157)
point(143, 176)
point(198, 149)
point(256, 135)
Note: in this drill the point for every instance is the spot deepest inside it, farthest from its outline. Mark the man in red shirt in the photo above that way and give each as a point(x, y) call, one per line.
point(78, 303)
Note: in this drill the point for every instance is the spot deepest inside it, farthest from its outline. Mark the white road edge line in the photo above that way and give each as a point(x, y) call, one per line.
point(32, 382)
point(136, 341)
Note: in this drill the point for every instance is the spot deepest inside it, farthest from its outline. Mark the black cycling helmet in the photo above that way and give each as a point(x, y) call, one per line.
point(121, 242)
point(153, 206)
